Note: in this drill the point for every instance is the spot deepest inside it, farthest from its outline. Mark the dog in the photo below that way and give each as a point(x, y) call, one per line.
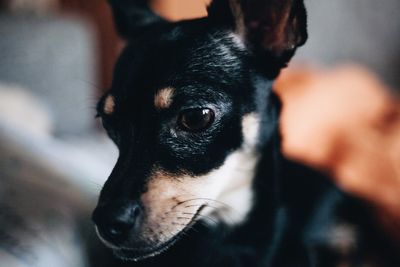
point(200, 179)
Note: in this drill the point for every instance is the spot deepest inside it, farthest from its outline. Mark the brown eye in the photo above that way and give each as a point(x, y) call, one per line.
point(195, 120)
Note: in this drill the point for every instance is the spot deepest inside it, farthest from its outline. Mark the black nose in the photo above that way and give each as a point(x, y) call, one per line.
point(117, 220)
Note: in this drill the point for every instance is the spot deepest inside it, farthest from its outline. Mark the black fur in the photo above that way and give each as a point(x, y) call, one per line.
point(293, 208)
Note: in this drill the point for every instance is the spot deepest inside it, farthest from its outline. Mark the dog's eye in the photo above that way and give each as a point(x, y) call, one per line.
point(195, 120)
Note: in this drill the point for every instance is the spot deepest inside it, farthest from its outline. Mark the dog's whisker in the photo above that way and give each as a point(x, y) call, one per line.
point(182, 202)
point(216, 209)
point(202, 216)
point(199, 205)
point(186, 218)
point(208, 218)
point(214, 201)
point(202, 199)
point(224, 215)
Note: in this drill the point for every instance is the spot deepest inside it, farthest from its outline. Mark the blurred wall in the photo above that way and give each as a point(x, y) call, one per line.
point(362, 31)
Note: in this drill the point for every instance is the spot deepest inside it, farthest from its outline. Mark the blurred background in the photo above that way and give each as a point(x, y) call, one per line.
point(56, 59)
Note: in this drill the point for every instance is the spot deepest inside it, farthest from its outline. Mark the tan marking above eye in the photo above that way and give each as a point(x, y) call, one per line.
point(163, 98)
point(109, 105)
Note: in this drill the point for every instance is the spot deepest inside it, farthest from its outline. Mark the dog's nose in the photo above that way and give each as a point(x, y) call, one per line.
point(116, 221)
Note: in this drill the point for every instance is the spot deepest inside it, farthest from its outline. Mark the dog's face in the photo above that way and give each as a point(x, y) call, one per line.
point(184, 113)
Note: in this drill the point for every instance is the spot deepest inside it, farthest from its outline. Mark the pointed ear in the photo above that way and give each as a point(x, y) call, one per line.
point(272, 29)
point(132, 17)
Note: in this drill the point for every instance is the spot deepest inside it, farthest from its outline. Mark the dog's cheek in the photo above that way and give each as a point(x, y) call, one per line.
point(171, 201)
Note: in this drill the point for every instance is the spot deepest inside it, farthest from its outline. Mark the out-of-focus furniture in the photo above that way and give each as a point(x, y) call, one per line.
point(54, 59)
point(53, 160)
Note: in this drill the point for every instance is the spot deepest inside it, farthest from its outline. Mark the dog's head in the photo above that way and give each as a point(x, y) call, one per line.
point(185, 110)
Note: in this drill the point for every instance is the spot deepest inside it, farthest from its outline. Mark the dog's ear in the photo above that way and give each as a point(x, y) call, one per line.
point(132, 17)
point(272, 29)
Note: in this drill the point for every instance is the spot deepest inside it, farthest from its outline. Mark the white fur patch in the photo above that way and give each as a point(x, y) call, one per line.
point(238, 169)
point(171, 201)
point(239, 17)
point(343, 238)
point(250, 127)
point(238, 41)
point(163, 98)
point(109, 105)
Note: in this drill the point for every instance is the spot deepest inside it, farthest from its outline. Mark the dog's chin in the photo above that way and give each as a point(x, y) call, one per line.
point(145, 252)
point(138, 254)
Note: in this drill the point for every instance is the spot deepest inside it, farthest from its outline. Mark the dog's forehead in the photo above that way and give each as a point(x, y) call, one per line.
point(182, 61)
point(179, 54)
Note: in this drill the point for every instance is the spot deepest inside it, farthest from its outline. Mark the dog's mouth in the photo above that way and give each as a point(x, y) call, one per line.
point(138, 254)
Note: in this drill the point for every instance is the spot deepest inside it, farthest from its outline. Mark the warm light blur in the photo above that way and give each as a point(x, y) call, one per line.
point(181, 9)
point(345, 122)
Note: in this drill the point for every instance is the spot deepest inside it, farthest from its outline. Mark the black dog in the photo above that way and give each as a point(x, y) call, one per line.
point(200, 176)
